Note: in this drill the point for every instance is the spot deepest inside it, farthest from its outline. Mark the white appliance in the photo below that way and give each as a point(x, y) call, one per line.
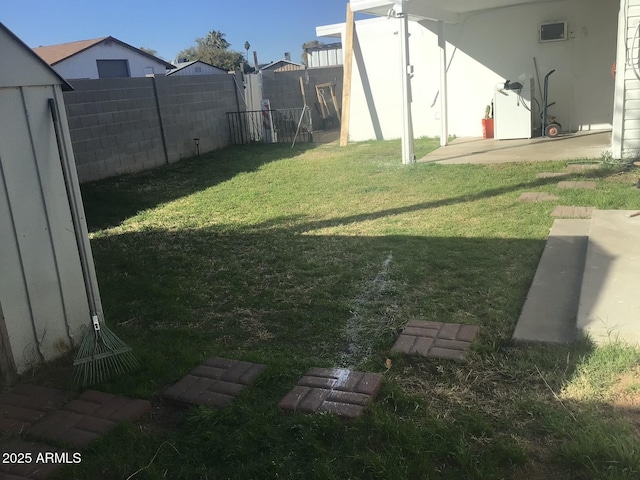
point(512, 114)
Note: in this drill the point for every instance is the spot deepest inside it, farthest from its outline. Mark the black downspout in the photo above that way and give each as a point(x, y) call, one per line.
point(162, 133)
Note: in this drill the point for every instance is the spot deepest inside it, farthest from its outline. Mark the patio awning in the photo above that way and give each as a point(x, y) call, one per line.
point(442, 11)
point(448, 11)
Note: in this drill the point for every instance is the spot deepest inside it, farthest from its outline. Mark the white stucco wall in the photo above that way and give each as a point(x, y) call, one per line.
point(483, 50)
point(83, 65)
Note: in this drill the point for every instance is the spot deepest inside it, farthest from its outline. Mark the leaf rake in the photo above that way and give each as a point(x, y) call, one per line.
point(101, 354)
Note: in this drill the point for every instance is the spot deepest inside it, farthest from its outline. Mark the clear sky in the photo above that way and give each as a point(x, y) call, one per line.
point(272, 27)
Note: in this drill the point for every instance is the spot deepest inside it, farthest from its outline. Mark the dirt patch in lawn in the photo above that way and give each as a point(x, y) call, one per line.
point(626, 397)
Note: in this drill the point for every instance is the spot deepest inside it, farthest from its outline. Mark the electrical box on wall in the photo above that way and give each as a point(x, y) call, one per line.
point(553, 32)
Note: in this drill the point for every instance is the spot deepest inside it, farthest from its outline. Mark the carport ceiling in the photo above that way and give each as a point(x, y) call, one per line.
point(446, 10)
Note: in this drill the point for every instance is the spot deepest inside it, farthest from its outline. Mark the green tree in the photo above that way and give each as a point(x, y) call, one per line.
point(214, 39)
point(214, 49)
point(150, 51)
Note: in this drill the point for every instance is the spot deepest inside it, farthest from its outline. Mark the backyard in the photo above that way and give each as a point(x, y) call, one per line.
point(317, 257)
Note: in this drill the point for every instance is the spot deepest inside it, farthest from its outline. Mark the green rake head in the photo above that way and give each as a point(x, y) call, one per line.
point(101, 356)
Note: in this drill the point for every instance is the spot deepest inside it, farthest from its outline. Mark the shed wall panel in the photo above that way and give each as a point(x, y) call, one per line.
point(21, 69)
point(41, 286)
point(60, 225)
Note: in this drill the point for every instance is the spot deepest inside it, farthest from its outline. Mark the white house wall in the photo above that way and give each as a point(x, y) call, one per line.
point(83, 64)
point(483, 50)
point(626, 134)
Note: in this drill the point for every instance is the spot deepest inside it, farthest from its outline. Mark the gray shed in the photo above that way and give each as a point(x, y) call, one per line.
point(48, 287)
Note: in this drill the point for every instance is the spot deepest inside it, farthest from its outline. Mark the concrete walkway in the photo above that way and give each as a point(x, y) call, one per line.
point(587, 282)
point(610, 299)
point(581, 145)
point(549, 312)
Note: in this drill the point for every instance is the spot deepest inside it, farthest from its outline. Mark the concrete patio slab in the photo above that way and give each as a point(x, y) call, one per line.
point(583, 145)
point(333, 390)
point(215, 383)
point(549, 312)
point(572, 211)
point(449, 341)
point(535, 197)
point(25, 404)
point(577, 185)
point(610, 300)
point(88, 417)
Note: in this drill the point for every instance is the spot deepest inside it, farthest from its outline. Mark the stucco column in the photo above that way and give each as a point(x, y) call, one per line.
point(617, 132)
point(444, 113)
point(408, 155)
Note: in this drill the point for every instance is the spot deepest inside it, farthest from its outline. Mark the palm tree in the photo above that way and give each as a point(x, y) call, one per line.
point(214, 39)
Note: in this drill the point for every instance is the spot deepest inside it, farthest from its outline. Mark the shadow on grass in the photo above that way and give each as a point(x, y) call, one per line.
point(277, 293)
point(108, 202)
point(298, 301)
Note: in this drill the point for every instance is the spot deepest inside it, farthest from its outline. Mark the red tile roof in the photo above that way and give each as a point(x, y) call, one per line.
point(53, 54)
point(56, 53)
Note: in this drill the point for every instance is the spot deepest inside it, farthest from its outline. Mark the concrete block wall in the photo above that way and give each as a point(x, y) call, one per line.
point(117, 125)
point(114, 127)
point(283, 89)
point(195, 107)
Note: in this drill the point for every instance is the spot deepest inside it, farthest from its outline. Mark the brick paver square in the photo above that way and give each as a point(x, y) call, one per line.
point(433, 339)
point(536, 197)
point(215, 383)
point(577, 185)
point(551, 174)
point(334, 390)
point(41, 463)
point(570, 211)
point(25, 404)
point(581, 167)
point(88, 417)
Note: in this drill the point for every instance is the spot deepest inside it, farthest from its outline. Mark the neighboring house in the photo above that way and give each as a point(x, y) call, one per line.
point(43, 296)
point(283, 65)
point(104, 57)
point(195, 67)
point(460, 52)
point(328, 55)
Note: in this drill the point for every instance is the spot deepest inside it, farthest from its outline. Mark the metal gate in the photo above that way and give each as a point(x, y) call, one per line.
point(270, 126)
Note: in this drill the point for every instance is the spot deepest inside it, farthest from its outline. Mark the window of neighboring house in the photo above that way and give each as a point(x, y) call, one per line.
point(113, 68)
point(198, 69)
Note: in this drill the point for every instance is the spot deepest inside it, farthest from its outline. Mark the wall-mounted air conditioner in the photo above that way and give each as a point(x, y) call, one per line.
point(553, 32)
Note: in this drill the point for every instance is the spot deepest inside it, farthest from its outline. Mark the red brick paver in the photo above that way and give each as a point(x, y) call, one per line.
point(88, 417)
point(536, 197)
point(570, 211)
point(334, 390)
point(215, 383)
point(23, 460)
point(25, 404)
point(435, 339)
point(580, 185)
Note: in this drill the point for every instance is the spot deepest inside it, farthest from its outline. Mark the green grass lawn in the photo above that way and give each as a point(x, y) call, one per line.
point(308, 257)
